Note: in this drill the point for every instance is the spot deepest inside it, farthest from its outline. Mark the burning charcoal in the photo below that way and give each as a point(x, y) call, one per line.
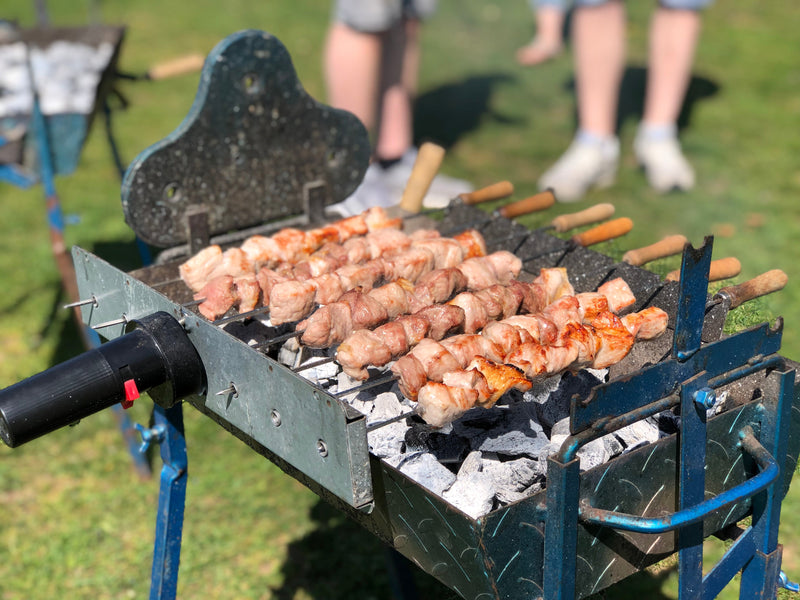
point(514, 479)
point(637, 433)
point(473, 490)
point(614, 446)
point(423, 468)
point(388, 441)
point(319, 373)
point(447, 447)
point(553, 408)
point(512, 431)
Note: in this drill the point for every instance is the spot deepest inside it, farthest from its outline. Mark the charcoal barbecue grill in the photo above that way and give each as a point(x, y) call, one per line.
point(256, 149)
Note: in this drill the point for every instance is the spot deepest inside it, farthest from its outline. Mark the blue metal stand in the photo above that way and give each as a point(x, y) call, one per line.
point(698, 371)
point(168, 431)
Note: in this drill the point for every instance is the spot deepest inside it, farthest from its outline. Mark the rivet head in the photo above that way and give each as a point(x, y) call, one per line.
point(322, 448)
point(276, 418)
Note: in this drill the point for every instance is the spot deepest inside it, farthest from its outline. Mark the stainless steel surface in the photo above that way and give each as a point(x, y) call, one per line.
point(308, 414)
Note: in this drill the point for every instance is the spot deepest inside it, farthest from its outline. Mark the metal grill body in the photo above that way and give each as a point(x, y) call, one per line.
point(576, 537)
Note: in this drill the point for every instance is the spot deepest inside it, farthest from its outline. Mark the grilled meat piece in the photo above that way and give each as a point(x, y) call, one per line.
point(618, 293)
point(196, 270)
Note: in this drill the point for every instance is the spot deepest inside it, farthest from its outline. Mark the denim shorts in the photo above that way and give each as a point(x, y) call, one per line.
point(372, 16)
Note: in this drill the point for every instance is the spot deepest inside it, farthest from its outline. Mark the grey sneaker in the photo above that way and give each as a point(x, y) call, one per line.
point(442, 189)
point(583, 166)
point(665, 166)
point(371, 192)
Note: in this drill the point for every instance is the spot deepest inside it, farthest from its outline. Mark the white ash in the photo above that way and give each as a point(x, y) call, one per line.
point(423, 468)
point(514, 479)
point(637, 434)
point(66, 76)
point(473, 491)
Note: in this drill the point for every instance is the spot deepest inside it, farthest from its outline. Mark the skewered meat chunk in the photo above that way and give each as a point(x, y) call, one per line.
point(291, 301)
point(480, 273)
point(506, 265)
point(219, 297)
point(234, 262)
point(556, 283)
point(434, 358)
point(475, 315)
point(537, 326)
point(646, 324)
point(415, 328)
point(376, 218)
point(501, 301)
point(365, 311)
point(195, 271)
point(534, 296)
point(619, 294)
point(472, 243)
point(506, 336)
point(267, 279)
point(248, 292)
point(384, 241)
point(500, 378)
point(410, 264)
point(614, 340)
point(329, 324)
point(329, 288)
point(465, 347)
point(565, 310)
point(260, 250)
point(439, 404)
point(364, 342)
point(439, 285)
point(446, 252)
point(411, 375)
point(358, 250)
point(591, 304)
point(442, 319)
point(393, 297)
point(362, 276)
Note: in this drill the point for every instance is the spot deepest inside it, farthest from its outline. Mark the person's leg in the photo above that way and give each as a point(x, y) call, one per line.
point(399, 69)
point(352, 66)
point(673, 39)
point(592, 158)
point(599, 42)
point(548, 41)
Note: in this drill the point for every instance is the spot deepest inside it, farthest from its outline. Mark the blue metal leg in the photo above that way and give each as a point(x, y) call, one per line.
point(171, 500)
point(561, 529)
point(760, 576)
point(692, 486)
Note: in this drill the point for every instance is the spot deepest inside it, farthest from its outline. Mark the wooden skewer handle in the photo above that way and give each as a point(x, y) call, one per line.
point(724, 268)
point(429, 159)
point(593, 214)
point(496, 191)
point(764, 284)
point(539, 201)
point(606, 231)
point(668, 246)
point(176, 67)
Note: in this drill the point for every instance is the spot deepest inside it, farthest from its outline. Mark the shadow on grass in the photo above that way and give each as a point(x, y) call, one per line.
point(633, 91)
point(450, 111)
point(339, 560)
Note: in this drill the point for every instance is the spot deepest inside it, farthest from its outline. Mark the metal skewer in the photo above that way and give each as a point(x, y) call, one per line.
point(91, 300)
point(411, 413)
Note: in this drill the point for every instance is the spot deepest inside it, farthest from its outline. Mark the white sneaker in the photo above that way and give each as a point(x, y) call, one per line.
point(442, 189)
point(371, 192)
point(583, 166)
point(665, 166)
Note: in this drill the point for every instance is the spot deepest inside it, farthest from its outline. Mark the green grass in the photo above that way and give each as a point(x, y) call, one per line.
point(75, 520)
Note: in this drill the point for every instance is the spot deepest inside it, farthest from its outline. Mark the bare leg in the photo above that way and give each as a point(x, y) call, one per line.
point(399, 70)
point(673, 39)
point(352, 63)
point(599, 34)
point(548, 41)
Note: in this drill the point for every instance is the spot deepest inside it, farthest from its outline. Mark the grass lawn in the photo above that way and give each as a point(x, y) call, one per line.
point(76, 522)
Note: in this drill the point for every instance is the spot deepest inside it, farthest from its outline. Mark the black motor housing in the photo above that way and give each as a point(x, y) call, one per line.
point(155, 351)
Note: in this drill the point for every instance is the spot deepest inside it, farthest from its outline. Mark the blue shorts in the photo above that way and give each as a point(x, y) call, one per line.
point(373, 16)
point(676, 4)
